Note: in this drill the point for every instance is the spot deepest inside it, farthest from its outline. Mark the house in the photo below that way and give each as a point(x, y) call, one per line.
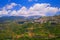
point(41, 20)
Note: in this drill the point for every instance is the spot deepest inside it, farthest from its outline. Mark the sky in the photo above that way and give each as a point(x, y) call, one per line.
point(29, 7)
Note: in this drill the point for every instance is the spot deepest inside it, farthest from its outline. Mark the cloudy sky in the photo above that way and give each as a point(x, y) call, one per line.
point(29, 7)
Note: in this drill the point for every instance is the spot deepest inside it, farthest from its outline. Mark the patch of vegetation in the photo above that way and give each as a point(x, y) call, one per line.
point(29, 31)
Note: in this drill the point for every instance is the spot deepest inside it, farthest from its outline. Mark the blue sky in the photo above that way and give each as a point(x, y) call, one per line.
point(25, 5)
point(55, 3)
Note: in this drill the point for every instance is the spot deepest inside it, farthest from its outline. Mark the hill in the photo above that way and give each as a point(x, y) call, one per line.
point(49, 30)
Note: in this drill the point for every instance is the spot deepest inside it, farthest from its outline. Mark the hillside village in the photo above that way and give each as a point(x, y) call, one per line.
point(33, 29)
point(50, 19)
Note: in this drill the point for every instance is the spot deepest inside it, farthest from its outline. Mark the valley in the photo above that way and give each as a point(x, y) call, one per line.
point(44, 28)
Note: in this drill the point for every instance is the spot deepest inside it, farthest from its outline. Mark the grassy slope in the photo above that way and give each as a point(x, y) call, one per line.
point(29, 31)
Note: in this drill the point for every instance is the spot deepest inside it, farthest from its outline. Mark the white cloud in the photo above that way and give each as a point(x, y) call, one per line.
point(13, 13)
point(10, 6)
point(3, 12)
point(23, 11)
point(38, 9)
point(42, 9)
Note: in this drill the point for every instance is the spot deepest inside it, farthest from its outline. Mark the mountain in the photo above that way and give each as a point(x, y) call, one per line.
point(11, 18)
point(33, 17)
point(29, 18)
point(58, 13)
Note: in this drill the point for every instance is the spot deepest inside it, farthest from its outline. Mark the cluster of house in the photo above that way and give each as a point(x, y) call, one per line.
point(41, 20)
point(49, 19)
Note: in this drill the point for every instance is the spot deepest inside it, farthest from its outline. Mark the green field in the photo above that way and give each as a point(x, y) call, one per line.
point(29, 31)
